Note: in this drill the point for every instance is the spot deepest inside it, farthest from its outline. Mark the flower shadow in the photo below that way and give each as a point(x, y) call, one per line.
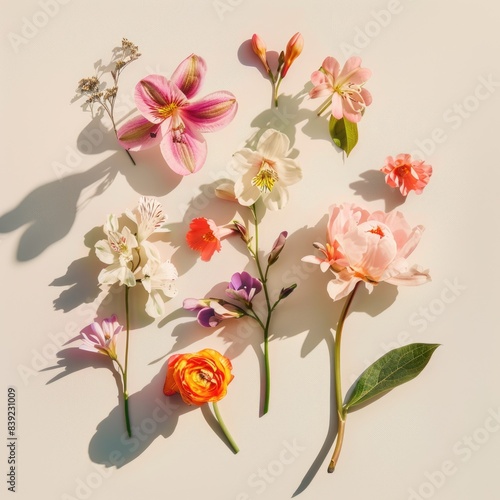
point(48, 213)
point(152, 414)
point(372, 187)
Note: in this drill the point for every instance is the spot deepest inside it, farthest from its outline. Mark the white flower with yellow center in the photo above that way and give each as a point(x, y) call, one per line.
point(266, 172)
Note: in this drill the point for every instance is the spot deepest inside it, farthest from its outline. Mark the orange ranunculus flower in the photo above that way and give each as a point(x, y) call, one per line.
point(199, 378)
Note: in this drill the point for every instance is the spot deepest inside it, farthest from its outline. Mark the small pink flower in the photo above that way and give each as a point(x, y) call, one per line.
point(102, 339)
point(368, 247)
point(349, 98)
point(406, 174)
point(293, 50)
point(205, 235)
point(170, 119)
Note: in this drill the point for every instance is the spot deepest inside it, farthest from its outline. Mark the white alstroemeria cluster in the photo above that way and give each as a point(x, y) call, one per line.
point(132, 259)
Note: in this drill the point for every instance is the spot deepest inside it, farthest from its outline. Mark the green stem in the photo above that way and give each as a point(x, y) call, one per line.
point(338, 384)
point(224, 428)
point(263, 278)
point(276, 87)
point(125, 370)
point(325, 106)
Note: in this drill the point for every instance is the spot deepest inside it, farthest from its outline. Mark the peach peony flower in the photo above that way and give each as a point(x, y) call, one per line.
point(199, 378)
point(406, 174)
point(205, 235)
point(368, 247)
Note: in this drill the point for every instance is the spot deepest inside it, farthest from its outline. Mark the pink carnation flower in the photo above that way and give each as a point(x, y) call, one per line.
point(406, 174)
point(368, 247)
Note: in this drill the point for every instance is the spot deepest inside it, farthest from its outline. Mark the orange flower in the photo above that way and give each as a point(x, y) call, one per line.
point(199, 378)
point(204, 236)
point(407, 174)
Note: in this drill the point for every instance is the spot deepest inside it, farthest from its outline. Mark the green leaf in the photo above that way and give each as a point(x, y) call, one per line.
point(343, 133)
point(392, 369)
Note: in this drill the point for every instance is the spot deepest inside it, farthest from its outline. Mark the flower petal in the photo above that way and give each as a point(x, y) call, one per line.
point(245, 191)
point(413, 277)
point(155, 306)
point(138, 134)
point(273, 144)
point(213, 112)
point(321, 90)
point(337, 106)
point(189, 75)
point(332, 66)
point(185, 152)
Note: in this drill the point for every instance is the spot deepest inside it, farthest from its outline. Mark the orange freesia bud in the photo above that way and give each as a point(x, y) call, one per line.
point(199, 378)
point(259, 47)
point(293, 49)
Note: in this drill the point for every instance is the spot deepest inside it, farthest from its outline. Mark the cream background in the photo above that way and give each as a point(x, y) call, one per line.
point(429, 57)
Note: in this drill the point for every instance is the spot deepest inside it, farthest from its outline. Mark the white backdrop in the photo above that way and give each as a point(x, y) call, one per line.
point(435, 89)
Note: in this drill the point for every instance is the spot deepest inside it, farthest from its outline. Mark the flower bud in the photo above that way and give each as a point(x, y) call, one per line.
point(293, 49)
point(285, 292)
point(277, 248)
point(259, 47)
point(240, 228)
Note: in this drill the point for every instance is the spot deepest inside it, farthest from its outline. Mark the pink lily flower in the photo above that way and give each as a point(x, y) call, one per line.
point(170, 119)
point(348, 97)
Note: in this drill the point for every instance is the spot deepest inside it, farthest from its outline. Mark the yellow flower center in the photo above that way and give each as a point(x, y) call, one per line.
point(266, 176)
point(167, 110)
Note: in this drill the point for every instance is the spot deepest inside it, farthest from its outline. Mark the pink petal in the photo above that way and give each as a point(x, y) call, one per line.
point(213, 112)
point(321, 90)
point(319, 78)
point(413, 277)
point(332, 66)
point(351, 65)
point(189, 75)
point(156, 98)
point(342, 286)
point(185, 152)
point(138, 134)
point(367, 97)
point(337, 106)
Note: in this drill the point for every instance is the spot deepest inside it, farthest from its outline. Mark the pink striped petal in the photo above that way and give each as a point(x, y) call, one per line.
point(211, 113)
point(185, 152)
point(138, 134)
point(157, 98)
point(189, 75)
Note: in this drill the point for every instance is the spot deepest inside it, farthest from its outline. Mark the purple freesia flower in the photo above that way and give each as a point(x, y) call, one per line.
point(212, 311)
point(243, 287)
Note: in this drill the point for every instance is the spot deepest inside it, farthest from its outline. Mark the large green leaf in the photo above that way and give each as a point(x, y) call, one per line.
point(392, 369)
point(344, 134)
